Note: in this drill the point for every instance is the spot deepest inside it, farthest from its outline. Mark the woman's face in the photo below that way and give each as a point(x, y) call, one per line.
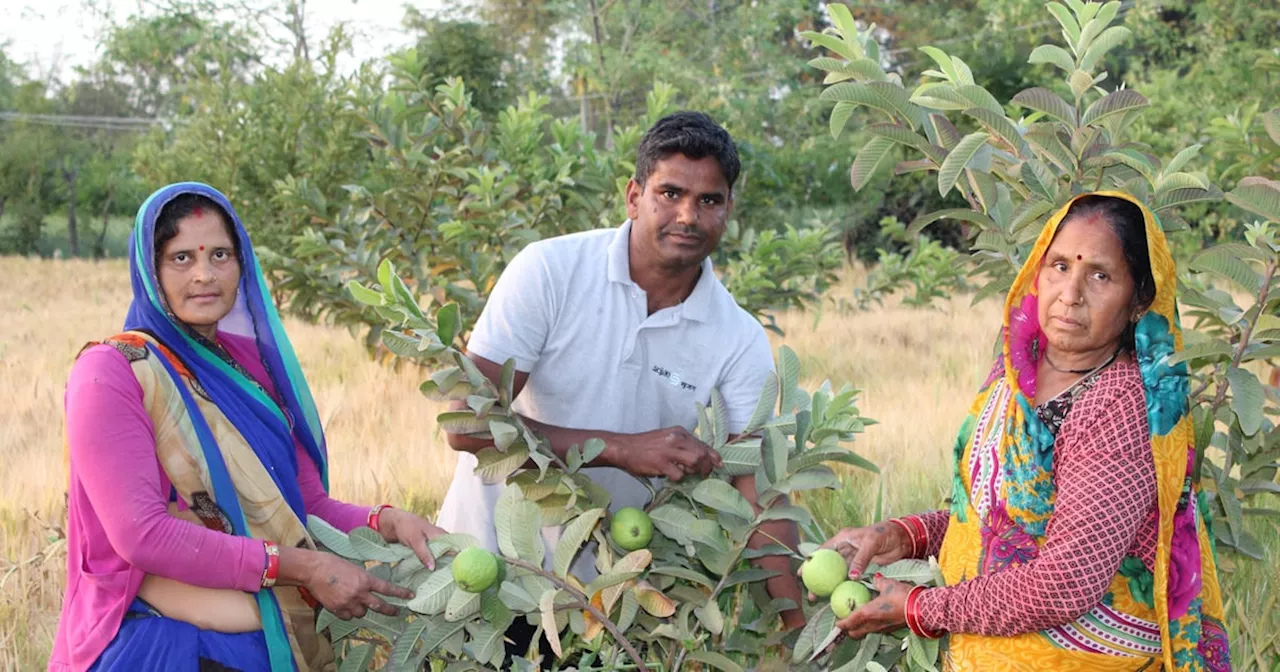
point(1085, 287)
point(199, 271)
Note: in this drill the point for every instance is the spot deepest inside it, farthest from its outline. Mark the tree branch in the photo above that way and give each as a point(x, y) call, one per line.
point(1244, 336)
point(585, 602)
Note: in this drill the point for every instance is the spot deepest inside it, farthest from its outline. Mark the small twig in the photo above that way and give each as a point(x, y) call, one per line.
point(585, 603)
point(1244, 337)
point(660, 499)
point(777, 541)
point(1208, 381)
point(39, 556)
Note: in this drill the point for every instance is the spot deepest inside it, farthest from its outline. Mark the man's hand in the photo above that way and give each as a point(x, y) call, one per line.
point(672, 452)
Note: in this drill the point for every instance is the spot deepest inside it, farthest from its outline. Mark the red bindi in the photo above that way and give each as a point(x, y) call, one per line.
point(1078, 257)
point(202, 248)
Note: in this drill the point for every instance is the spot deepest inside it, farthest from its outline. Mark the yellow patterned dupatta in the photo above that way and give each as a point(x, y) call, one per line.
point(1004, 492)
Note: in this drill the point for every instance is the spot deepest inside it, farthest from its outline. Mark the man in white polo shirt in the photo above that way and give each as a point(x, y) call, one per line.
point(618, 333)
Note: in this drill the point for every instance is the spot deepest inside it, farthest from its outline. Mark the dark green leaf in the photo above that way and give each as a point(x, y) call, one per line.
point(1247, 399)
point(357, 658)
point(1223, 263)
point(448, 323)
point(1179, 197)
point(717, 660)
point(1112, 104)
point(1106, 41)
point(963, 214)
point(331, 538)
point(571, 539)
point(765, 404)
point(686, 574)
point(1259, 196)
point(947, 134)
point(1048, 102)
point(840, 117)
point(1211, 349)
point(364, 295)
point(999, 126)
point(404, 645)
point(747, 576)
point(900, 134)
point(1051, 53)
point(868, 161)
point(958, 160)
point(720, 496)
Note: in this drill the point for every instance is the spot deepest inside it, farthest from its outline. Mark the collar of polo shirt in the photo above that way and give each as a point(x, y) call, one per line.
point(695, 307)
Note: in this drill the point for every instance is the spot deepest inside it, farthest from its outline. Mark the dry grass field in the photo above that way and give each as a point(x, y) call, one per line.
point(918, 370)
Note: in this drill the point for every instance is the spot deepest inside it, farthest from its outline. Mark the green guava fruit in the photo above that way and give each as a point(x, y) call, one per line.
point(475, 569)
point(823, 571)
point(849, 596)
point(631, 528)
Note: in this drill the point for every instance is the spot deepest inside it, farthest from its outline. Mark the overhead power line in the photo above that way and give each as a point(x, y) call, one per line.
point(84, 121)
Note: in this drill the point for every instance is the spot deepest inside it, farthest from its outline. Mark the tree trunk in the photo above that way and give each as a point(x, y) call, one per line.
point(597, 35)
point(71, 176)
point(100, 247)
point(298, 26)
point(3, 200)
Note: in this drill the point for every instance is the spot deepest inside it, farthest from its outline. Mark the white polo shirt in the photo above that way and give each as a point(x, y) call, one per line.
point(567, 310)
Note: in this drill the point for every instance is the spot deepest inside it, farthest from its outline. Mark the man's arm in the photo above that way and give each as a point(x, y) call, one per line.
point(670, 452)
point(785, 532)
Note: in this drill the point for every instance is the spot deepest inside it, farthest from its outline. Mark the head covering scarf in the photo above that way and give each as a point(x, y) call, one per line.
point(1181, 597)
point(222, 388)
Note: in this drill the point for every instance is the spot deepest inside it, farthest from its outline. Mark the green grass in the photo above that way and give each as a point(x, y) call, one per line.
point(54, 235)
point(1251, 594)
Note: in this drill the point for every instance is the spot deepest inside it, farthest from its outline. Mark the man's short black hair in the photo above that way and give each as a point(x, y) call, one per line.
point(693, 134)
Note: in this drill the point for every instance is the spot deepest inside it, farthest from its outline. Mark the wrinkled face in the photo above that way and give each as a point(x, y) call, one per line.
point(199, 271)
point(1086, 290)
point(679, 215)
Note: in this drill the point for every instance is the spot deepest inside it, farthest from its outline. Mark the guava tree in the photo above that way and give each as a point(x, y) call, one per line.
point(681, 595)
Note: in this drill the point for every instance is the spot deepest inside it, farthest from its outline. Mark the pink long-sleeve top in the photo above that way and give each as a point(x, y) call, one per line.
point(1105, 510)
point(118, 526)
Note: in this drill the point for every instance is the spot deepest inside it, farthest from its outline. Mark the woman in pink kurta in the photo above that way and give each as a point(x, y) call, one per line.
point(196, 457)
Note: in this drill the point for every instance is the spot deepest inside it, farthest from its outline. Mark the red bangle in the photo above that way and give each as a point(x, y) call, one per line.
point(922, 534)
point(915, 552)
point(912, 612)
point(272, 571)
point(373, 516)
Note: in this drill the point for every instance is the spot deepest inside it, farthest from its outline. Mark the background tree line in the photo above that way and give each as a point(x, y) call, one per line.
point(510, 120)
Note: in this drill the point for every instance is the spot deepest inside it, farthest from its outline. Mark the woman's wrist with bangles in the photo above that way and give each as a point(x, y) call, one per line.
point(271, 573)
point(912, 612)
point(917, 534)
point(374, 521)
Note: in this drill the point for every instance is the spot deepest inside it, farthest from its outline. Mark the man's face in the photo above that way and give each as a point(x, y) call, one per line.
point(679, 215)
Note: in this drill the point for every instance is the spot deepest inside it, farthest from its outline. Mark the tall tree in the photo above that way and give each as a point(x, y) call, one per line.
point(158, 57)
point(466, 49)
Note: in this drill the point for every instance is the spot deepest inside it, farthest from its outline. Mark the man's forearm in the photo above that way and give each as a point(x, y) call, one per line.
point(785, 584)
point(563, 438)
point(560, 438)
point(782, 532)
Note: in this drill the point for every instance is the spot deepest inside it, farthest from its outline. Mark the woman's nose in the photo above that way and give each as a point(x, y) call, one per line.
point(1071, 292)
point(204, 271)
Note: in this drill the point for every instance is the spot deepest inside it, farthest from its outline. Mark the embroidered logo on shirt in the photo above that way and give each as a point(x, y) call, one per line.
point(674, 379)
